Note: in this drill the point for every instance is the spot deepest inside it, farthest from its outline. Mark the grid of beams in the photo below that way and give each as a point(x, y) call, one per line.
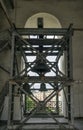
point(24, 44)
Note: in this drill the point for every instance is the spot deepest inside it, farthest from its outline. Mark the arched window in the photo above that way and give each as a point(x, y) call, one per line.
point(49, 21)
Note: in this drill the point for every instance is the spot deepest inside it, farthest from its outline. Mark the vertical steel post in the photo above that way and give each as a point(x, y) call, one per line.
point(69, 70)
point(57, 103)
point(11, 87)
point(57, 94)
point(25, 111)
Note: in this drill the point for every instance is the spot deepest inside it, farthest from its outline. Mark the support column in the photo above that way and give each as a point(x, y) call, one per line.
point(69, 70)
point(57, 103)
point(11, 87)
point(57, 93)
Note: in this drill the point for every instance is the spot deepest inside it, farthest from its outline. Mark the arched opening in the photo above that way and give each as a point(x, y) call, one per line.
point(49, 21)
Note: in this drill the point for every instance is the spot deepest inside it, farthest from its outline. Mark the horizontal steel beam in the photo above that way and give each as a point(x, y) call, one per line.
point(43, 49)
point(39, 79)
point(39, 89)
point(42, 41)
point(48, 54)
point(44, 31)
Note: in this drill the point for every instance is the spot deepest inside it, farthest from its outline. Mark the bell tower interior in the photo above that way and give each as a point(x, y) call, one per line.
point(41, 65)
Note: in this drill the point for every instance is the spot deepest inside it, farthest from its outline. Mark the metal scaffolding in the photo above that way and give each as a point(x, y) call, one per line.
point(24, 45)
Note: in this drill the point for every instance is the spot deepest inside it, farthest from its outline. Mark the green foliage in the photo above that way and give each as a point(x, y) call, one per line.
point(29, 104)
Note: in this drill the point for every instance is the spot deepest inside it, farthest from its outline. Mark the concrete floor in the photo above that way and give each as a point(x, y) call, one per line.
point(48, 124)
point(46, 120)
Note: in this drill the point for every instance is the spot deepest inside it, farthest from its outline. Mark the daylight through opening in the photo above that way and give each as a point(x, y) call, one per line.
point(48, 21)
